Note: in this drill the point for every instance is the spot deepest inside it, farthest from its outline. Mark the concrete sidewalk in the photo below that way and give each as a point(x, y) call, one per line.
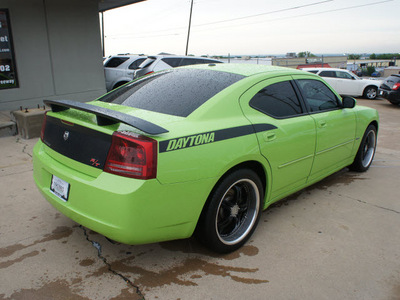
point(338, 239)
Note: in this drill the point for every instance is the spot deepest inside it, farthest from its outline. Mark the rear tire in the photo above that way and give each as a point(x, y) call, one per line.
point(370, 92)
point(366, 151)
point(232, 212)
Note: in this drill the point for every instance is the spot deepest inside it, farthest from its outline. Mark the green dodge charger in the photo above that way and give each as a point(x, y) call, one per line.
point(197, 150)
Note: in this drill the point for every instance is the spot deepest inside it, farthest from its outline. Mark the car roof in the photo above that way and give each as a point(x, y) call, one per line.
point(178, 56)
point(324, 69)
point(246, 69)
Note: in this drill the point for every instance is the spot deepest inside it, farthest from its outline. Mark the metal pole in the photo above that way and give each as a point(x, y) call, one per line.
point(190, 21)
point(102, 33)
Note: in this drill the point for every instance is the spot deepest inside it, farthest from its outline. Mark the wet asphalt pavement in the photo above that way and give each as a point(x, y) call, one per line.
point(337, 239)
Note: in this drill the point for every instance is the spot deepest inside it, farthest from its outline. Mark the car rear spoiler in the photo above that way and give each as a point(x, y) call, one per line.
point(106, 116)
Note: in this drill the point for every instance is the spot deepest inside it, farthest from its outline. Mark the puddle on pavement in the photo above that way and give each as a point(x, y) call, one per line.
point(342, 177)
point(183, 274)
point(192, 246)
point(51, 290)
point(57, 234)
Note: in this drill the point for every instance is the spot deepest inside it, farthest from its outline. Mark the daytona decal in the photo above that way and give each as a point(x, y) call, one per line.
point(211, 137)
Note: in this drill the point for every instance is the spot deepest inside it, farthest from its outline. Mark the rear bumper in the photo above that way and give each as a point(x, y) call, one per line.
point(127, 210)
point(392, 96)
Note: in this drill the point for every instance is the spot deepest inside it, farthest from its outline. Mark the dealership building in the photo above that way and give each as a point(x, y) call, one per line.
point(51, 49)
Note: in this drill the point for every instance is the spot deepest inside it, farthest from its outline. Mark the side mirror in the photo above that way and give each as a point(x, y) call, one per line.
point(348, 102)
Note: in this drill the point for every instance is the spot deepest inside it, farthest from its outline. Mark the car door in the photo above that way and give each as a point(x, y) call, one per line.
point(347, 84)
point(335, 126)
point(330, 77)
point(289, 147)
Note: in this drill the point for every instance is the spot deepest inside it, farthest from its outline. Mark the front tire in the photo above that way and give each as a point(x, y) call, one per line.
point(232, 212)
point(366, 151)
point(370, 92)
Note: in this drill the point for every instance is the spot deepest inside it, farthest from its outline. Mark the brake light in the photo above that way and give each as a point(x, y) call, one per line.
point(132, 156)
point(43, 126)
point(396, 86)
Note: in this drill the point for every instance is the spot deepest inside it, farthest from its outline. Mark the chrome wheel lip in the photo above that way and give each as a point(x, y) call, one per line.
point(369, 148)
point(249, 219)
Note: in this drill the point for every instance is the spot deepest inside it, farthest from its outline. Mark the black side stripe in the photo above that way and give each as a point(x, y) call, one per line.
point(211, 137)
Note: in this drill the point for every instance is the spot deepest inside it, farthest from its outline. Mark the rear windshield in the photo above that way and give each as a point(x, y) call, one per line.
point(393, 79)
point(175, 92)
point(115, 62)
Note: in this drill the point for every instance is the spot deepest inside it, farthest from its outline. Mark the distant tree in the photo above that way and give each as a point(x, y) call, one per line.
point(388, 56)
point(353, 56)
point(385, 56)
point(305, 54)
point(370, 70)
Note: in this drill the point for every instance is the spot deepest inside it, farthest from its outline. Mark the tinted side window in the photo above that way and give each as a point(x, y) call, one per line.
point(115, 62)
point(172, 61)
point(278, 100)
point(318, 96)
point(343, 75)
point(327, 74)
point(313, 71)
point(191, 61)
point(135, 65)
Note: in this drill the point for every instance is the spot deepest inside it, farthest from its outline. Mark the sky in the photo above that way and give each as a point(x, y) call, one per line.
point(254, 27)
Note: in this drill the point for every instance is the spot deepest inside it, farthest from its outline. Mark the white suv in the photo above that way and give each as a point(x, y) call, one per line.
point(119, 69)
point(346, 83)
point(162, 62)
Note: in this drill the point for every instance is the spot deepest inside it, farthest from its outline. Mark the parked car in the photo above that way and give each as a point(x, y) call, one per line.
point(201, 149)
point(347, 83)
point(119, 69)
point(163, 62)
point(390, 89)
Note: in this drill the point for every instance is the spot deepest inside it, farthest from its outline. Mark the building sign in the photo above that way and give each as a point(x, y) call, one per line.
point(8, 71)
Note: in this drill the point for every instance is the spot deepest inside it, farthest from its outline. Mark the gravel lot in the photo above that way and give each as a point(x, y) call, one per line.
point(338, 239)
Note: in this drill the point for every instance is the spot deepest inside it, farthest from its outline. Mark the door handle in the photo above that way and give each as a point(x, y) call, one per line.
point(269, 136)
point(322, 124)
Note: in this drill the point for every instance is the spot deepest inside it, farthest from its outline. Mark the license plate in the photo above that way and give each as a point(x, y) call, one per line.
point(60, 188)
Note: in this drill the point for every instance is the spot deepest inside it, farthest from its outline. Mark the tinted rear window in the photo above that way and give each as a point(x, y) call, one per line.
point(135, 65)
point(147, 62)
point(393, 79)
point(115, 62)
point(175, 92)
point(172, 61)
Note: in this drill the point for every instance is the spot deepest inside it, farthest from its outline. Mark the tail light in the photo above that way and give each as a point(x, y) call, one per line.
point(396, 86)
point(43, 126)
point(149, 73)
point(132, 156)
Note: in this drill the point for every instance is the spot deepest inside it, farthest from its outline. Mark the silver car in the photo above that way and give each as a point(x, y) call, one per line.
point(162, 62)
point(119, 69)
